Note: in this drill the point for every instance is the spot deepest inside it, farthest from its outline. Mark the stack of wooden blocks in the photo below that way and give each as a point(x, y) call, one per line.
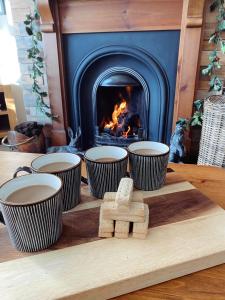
point(123, 211)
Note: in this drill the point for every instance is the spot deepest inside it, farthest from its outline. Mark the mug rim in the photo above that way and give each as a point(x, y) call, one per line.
point(106, 162)
point(148, 155)
point(54, 172)
point(33, 203)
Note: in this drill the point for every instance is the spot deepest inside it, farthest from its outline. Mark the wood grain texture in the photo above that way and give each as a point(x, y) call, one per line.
point(190, 39)
point(116, 15)
point(190, 251)
point(47, 21)
point(209, 26)
point(53, 64)
point(208, 284)
point(180, 203)
point(191, 219)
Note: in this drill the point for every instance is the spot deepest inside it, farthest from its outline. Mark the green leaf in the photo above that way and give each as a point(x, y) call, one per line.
point(213, 56)
point(222, 46)
point(40, 59)
point(207, 70)
point(29, 17)
point(215, 84)
point(214, 38)
point(198, 105)
point(183, 122)
point(39, 36)
point(29, 30)
point(27, 22)
point(44, 94)
point(221, 25)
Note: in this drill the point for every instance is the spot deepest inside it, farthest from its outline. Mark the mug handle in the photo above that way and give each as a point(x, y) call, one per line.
point(24, 169)
point(20, 169)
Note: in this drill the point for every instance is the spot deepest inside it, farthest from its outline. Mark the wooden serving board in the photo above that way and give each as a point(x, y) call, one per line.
point(186, 234)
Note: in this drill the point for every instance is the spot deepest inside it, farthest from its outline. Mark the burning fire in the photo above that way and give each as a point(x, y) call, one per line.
point(123, 122)
point(118, 111)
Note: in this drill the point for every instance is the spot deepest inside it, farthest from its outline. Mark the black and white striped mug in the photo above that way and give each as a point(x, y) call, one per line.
point(32, 209)
point(148, 164)
point(105, 165)
point(66, 166)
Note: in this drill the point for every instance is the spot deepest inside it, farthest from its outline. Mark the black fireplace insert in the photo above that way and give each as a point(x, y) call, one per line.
point(121, 86)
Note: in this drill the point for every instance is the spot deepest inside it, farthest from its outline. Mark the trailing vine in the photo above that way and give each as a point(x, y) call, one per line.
point(196, 119)
point(218, 41)
point(34, 53)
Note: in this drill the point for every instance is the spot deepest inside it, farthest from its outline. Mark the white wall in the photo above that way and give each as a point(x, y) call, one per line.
point(9, 64)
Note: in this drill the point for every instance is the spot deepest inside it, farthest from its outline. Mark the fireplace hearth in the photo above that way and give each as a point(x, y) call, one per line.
point(120, 92)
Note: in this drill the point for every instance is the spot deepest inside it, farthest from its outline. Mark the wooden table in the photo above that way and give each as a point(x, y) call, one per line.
point(207, 284)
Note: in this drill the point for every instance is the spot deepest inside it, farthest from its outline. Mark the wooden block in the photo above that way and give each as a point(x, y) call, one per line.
point(121, 235)
point(105, 225)
point(136, 197)
point(124, 193)
point(122, 227)
point(142, 228)
point(140, 236)
point(136, 212)
point(109, 196)
point(103, 234)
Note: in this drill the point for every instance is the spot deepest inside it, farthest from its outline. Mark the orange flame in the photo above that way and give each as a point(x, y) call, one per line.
point(125, 133)
point(118, 110)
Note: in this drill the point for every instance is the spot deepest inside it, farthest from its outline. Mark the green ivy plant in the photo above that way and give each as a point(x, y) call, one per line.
point(34, 53)
point(196, 119)
point(217, 40)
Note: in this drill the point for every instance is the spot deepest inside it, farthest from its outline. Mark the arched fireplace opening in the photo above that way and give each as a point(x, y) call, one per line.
point(120, 98)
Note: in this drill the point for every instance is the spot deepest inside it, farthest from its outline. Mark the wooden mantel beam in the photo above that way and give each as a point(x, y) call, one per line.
point(47, 22)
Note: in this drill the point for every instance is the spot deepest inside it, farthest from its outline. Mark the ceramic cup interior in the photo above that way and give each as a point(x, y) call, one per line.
point(51, 158)
point(105, 152)
point(159, 148)
point(21, 182)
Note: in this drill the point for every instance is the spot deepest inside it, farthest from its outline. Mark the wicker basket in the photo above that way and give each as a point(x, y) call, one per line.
point(212, 144)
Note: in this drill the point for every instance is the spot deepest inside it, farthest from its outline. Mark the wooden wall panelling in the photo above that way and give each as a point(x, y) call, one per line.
point(53, 60)
point(117, 15)
point(202, 86)
point(191, 29)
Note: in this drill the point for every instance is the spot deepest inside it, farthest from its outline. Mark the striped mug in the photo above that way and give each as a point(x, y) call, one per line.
point(105, 165)
point(66, 166)
point(148, 164)
point(32, 209)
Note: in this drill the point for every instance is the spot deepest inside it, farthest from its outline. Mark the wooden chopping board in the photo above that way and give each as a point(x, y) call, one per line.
point(186, 234)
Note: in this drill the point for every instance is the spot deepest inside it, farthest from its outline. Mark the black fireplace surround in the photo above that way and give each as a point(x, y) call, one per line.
point(101, 71)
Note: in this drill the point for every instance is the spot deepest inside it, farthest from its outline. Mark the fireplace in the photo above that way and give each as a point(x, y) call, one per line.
point(119, 92)
point(85, 38)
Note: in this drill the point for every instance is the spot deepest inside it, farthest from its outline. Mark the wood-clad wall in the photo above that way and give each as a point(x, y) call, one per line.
point(202, 84)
